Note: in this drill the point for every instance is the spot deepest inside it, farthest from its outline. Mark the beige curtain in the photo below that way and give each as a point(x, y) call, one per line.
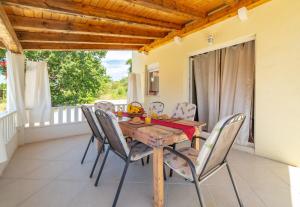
point(237, 84)
point(207, 81)
point(224, 82)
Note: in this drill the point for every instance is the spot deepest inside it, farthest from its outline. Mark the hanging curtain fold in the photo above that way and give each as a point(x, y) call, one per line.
point(207, 80)
point(15, 85)
point(224, 82)
point(237, 74)
point(134, 88)
point(37, 92)
point(15, 95)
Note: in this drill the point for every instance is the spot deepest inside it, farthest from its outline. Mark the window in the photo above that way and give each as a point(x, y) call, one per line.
point(152, 77)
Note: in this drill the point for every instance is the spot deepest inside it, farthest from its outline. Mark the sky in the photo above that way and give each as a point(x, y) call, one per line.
point(115, 63)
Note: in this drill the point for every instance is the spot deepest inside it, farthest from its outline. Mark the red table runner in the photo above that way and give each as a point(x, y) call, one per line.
point(188, 130)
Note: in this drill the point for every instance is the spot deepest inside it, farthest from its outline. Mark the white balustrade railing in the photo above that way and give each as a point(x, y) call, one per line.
point(8, 126)
point(68, 115)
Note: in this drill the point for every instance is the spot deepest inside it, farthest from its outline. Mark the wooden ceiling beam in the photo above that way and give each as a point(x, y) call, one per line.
point(69, 46)
point(197, 25)
point(92, 12)
point(169, 6)
point(7, 33)
point(230, 2)
point(79, 39)
point(44, 25)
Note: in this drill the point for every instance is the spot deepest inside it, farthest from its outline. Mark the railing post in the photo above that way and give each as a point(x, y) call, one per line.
point(5, 130)
point(52, 116)
point(60, 115)
point(7, 127)
point(1, 130)
point(68, 114)
point(76, 114)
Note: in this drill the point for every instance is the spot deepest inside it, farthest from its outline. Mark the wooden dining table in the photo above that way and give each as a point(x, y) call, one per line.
point(157, 137)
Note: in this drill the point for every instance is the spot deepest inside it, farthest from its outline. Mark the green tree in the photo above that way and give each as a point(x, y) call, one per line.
point(116, 90)
point(2, 53)
point(129, 62)
point(2, 62)
point(2, 85)
point(76, 77)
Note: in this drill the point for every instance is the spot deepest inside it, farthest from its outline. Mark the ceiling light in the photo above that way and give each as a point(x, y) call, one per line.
point(210, 39)
point(243, 14)
point(177, 40)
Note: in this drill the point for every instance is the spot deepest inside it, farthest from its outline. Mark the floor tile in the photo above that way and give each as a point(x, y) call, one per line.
point(186, 195)
point(21, 168)
point(49, 171)
point(49, 174)
point(18, 191)
point(57, 193)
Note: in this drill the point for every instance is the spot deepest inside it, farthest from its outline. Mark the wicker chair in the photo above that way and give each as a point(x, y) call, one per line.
point(128, 152)
point(196, 166)
point(96, 134)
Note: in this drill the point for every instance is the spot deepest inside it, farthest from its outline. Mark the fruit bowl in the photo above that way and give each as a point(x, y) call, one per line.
point(135, 110)
point(136, 114)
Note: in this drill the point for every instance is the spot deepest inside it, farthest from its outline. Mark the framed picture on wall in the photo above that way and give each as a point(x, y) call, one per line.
point(152, 79)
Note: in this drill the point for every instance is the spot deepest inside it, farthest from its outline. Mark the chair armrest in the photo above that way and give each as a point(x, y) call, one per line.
point(198, 137)
point(190, 163)
point(128, 138)
point(135, 144)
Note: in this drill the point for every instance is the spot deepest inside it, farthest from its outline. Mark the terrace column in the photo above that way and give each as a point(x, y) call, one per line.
point(134, 88)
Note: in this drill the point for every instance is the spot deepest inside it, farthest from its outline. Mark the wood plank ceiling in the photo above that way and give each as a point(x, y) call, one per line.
point(112, 24)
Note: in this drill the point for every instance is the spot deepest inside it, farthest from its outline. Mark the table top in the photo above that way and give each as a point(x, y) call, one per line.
point(157, 135)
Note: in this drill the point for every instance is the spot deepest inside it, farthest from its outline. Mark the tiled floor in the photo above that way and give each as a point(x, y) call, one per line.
point(49, 174)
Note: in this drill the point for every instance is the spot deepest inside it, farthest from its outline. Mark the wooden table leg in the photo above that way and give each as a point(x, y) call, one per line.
point(158, 178)
point(198, 141)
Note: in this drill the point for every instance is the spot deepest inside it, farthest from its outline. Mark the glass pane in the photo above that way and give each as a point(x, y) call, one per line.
point(153, 83)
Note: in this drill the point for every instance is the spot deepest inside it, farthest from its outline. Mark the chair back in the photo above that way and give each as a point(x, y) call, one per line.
point(91, 121)
point(184, 110)
point(217, 146)
point(112, 132)
point(156, 107)
point(105, 105)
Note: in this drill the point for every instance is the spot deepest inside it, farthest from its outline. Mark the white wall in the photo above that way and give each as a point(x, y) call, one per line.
point(11, 147)
point(276, 26)
point(43, 133)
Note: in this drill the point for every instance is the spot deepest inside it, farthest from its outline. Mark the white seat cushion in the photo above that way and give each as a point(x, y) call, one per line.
point(139, 151)
point(180, 165)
